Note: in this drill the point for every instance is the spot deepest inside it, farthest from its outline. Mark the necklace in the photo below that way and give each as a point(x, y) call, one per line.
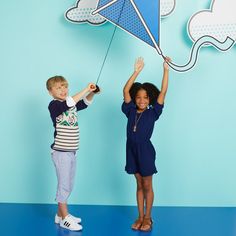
point(136, 121)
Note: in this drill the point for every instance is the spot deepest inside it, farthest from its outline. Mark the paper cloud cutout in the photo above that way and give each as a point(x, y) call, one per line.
point(81, 13)
point(213, 27)
point(219, 22)
point(167, 7)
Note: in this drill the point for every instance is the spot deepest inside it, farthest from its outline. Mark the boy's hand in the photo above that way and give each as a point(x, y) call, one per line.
point(91, 87)
point(97, 90)
point(165, 65)
point(139, 64)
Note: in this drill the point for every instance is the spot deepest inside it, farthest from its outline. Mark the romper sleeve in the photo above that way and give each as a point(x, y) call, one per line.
point(157, 110)
point(127, 107)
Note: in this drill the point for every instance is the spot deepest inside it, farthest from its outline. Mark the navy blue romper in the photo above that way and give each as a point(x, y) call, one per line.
point(140, 153)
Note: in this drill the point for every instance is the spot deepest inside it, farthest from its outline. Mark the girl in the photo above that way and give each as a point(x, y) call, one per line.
point(143, 104)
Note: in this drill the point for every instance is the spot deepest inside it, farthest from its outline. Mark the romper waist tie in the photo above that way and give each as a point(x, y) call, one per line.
point(138, 141)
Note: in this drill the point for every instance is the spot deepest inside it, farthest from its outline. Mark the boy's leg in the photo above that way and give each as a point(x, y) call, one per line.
point(63, 162)
point(72, 171)
point(62, 210)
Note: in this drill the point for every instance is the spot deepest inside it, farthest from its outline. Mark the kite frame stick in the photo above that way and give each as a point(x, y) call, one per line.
point(147, 29)
point(140, 17)
point(103, 7)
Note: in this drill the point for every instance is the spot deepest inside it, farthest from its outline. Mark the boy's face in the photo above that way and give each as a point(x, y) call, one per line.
point(142, 99)
point(59, 91)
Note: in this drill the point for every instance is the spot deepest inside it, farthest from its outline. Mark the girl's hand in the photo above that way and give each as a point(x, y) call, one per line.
point(139, 64)
point(165, 65)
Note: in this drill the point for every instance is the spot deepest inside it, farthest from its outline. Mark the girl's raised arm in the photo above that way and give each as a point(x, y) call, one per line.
point(164, 86)
point(138, 66)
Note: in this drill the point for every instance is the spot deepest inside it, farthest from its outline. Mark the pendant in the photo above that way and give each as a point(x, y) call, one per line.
point(134, 128)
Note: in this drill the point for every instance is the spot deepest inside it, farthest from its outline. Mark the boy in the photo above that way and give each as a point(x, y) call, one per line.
point(63, 111)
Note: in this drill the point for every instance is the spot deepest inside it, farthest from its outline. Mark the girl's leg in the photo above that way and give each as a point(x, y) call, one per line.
point(140, 202)
point(140, 195)
point(149, 197)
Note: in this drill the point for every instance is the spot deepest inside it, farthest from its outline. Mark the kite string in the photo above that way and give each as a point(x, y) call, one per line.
point(104, 60)
point(109, 46)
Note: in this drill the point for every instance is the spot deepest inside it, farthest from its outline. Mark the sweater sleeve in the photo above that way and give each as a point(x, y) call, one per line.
point(56, 108)
point(80, 105)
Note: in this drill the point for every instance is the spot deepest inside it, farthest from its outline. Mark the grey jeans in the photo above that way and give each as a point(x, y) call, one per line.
point(65, 164)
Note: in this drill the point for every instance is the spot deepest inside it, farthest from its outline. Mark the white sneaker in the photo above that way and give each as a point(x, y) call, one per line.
point(76, 219)
point(69, 223)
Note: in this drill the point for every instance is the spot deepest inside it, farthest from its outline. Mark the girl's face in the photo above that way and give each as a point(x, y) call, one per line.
point(59, 91)
point(142, 100)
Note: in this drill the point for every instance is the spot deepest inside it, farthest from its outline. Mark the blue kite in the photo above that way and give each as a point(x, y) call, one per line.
point(141, 18)
point(137, 17)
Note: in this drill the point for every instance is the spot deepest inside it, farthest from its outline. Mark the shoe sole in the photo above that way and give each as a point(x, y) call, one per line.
point(70, 229)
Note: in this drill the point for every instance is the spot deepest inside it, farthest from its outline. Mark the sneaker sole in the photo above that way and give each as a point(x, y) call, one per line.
point(62, 226)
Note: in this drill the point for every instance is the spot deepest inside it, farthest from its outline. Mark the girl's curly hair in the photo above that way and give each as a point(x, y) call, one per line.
point(152, 91)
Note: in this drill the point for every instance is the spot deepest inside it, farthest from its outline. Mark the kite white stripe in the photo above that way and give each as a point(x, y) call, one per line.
point(103, 7)
point(147, 29)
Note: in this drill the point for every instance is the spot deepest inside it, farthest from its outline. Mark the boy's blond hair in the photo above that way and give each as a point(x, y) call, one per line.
point(55, 79)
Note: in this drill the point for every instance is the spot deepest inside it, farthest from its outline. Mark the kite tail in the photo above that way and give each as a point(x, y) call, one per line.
point(222, 46)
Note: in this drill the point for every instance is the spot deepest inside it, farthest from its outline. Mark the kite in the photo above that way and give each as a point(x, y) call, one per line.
point(142, 20)
point(136, 17)
point(80, 12)
point(210, 27)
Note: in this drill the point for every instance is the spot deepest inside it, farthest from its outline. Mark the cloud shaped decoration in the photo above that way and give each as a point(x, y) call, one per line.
point(81, 12)
point(213, 27)
point(167, 7)
point(219, 22)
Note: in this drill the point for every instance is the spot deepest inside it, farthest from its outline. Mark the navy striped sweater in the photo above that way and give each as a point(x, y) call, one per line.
point(65, 121)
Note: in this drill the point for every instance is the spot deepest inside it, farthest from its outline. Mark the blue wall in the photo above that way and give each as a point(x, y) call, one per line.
point(194, 138)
